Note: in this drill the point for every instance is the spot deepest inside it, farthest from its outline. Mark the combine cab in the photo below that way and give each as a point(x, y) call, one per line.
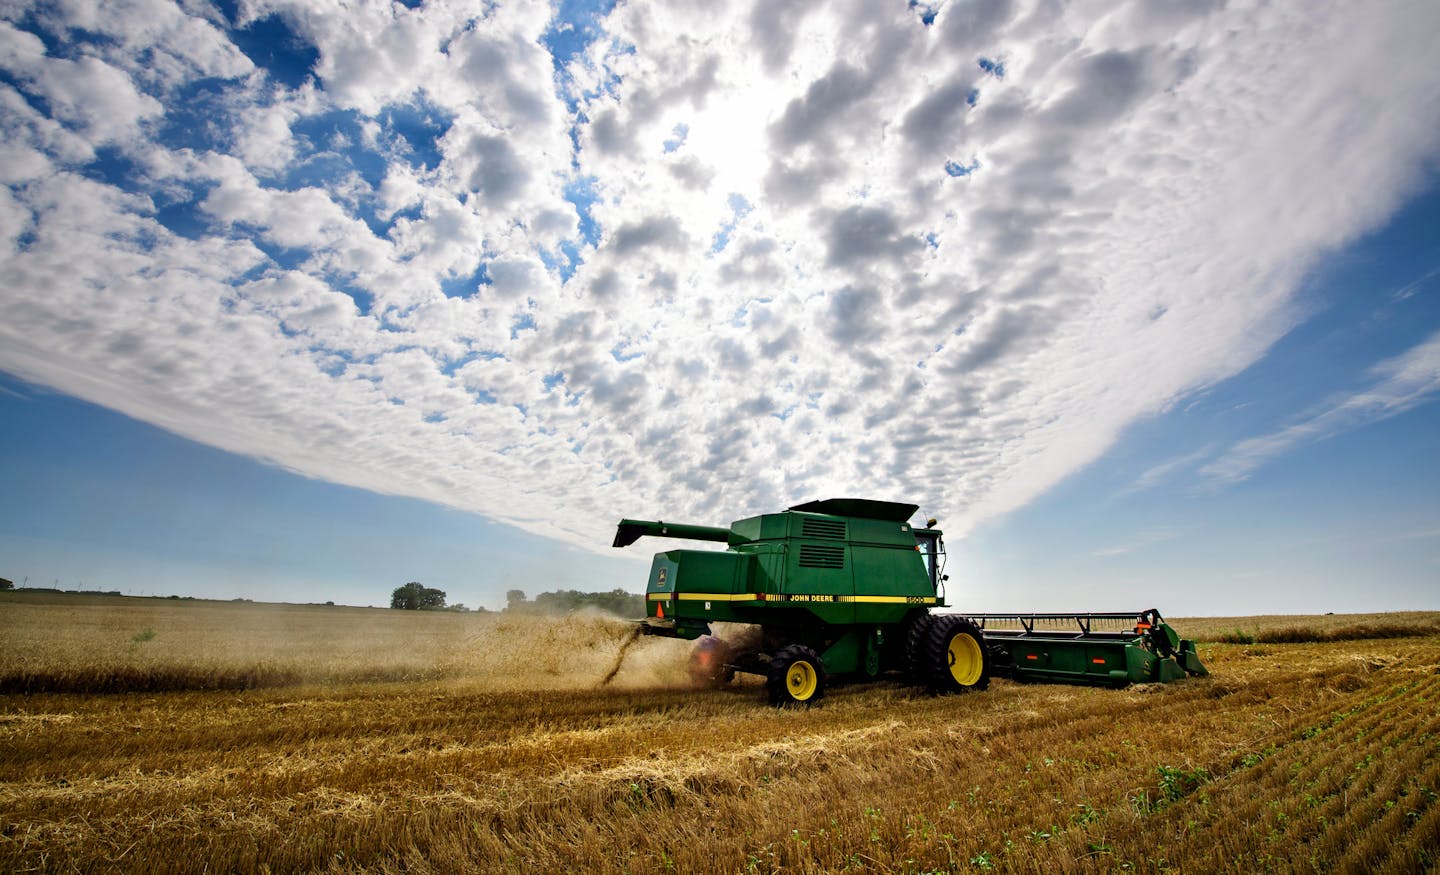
point(848, 588)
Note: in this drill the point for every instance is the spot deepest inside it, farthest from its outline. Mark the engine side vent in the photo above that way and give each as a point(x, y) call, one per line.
point(833, 530)
point(821, 556)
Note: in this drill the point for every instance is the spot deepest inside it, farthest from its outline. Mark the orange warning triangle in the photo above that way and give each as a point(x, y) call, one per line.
point(660, 610)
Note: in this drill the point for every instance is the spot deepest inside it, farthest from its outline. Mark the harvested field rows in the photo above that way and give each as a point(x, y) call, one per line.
point(1290, 757)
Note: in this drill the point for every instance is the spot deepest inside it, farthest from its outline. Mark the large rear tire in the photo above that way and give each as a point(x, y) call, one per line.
point(956, 656)
point(917, 633)
point(796, 677)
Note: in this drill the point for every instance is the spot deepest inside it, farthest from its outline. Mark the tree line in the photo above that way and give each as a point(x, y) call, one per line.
point(565, 601)
point(415, 596)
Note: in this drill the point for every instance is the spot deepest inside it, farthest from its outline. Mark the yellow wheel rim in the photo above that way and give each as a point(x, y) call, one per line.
point(966, 661)
point(801, 680)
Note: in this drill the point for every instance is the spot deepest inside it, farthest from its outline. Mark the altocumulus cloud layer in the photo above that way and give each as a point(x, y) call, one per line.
point(690, 259)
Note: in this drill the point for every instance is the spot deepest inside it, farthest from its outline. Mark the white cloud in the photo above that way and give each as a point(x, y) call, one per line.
point(1401, 384)
point(152, 39)
point(100, 101)
point(263, 139)
point(1412, 288)
point(1139, 541)
point(796, 300)
point(1159, 473)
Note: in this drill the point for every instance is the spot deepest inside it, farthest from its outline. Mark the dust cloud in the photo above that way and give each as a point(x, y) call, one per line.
point(584, 650)
point(117, 645)
point(620, 657)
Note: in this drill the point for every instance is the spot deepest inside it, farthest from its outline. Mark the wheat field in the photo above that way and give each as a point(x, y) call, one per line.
point(175, 736)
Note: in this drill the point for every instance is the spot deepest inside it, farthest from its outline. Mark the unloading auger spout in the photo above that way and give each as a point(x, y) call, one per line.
point(631, 531)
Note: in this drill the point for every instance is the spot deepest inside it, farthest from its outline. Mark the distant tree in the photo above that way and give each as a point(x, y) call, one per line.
point(415, 596)
point(515, 599)
point(407, 597)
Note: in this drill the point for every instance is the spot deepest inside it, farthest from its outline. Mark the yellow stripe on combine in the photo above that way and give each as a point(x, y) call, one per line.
point(703, 596)
point(755, 597)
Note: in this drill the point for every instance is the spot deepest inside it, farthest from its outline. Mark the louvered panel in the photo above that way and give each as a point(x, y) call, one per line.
point(833, 530)
point(821, 556)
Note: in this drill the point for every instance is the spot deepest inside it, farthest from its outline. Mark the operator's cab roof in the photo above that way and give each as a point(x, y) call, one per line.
point(864, 508)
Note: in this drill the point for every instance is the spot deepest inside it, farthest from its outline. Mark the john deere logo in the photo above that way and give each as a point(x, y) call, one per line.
point(660, 581)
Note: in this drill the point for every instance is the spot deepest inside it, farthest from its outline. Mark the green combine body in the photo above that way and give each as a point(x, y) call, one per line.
point(848, 588)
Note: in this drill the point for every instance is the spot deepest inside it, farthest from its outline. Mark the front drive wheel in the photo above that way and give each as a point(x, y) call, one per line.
point(956, 656)
point(796, 676)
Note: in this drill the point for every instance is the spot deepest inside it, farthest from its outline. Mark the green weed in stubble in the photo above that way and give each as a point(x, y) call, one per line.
point(1301, 634)
point(1356, 632)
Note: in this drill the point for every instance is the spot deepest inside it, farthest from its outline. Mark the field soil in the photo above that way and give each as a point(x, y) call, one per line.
point(175, 736)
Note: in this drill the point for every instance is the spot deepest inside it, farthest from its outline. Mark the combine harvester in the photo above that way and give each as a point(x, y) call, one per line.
point(848, 588)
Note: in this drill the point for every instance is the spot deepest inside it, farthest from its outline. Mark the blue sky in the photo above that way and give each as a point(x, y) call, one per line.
point(302, 305)
point(1347, 521)
point(101, 501)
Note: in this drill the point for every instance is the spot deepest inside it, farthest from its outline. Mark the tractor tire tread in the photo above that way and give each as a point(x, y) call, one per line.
point(917, 632)
point(942, 629)
point(775, 678)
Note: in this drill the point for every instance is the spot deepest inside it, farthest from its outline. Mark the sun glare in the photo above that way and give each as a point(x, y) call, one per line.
point(729, 138)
